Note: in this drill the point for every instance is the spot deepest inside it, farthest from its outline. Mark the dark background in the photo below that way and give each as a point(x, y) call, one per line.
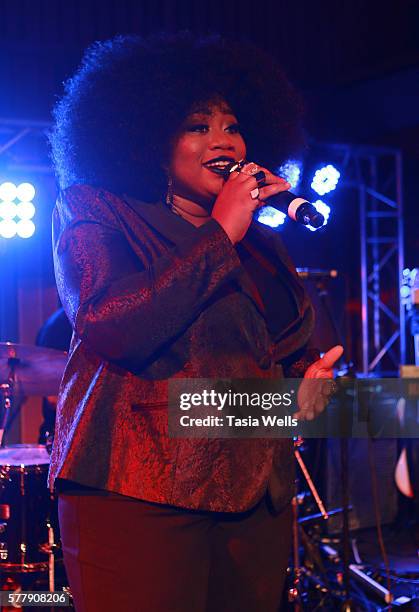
point(357, 60)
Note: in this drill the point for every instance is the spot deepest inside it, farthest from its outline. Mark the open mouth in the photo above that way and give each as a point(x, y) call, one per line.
point(219, 165)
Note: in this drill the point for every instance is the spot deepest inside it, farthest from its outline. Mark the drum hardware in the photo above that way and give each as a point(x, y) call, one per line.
point(298, 535)
point(322, 570)
point(36, 370)
point(7, 394)
point(33, 370)
point(319, 580)
point(27, 536)
point(29, 533)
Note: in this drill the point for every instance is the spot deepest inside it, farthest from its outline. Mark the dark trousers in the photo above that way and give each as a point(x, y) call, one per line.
point(128, 555)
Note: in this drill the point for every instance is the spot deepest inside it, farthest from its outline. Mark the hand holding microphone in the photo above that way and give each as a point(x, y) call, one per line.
point(242, 193)
point(296, 207)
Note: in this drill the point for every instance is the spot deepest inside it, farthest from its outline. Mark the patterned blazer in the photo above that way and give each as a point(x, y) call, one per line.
point(152, 297)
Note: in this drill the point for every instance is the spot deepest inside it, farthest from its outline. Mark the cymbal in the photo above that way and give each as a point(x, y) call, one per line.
point(38, 370)
point(24, 454)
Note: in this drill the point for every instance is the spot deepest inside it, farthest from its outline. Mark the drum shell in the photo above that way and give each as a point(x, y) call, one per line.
point(26, 511)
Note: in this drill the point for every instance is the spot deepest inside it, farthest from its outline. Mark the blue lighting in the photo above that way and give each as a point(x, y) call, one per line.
point(404, 291)
point(8, 191)
point(322, 208)
point(25, 210)
point(291, 171)
point(271, 217)
point(325, 179)
point(25, 192)
point(8, 210)
point(16, 210)
point(8, 228)
point(25, 228)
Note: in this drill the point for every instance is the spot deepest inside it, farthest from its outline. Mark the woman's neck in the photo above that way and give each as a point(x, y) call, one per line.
point(190, 211)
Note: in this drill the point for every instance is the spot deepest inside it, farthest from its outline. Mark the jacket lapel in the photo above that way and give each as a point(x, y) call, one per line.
point(272, 248)
point(160, 217)
point(174, 228)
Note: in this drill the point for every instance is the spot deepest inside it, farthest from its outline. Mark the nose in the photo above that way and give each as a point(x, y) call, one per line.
point(221, 140)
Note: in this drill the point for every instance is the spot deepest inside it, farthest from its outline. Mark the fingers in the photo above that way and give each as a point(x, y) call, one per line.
point(329, 359)
point(270, 178)
point(270, 190)
point(313, 397)
point(249, 184)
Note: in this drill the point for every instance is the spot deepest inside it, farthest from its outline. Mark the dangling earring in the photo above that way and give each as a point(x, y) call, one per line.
point(169, 195)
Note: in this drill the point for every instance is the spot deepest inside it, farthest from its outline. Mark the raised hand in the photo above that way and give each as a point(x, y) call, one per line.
point(313, 396)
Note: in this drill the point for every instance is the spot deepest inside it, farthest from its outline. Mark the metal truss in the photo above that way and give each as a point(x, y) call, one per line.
point(376, 174)
point(24, 146)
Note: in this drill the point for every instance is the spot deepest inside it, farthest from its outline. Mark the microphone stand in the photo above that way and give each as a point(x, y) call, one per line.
point(294, 592)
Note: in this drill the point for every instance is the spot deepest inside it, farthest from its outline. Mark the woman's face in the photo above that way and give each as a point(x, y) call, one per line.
point(208, 140)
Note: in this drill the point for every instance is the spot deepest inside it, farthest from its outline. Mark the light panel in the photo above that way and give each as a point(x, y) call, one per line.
point(271, 216)
point(291, 171)
point(325, 179)
point(16, 210)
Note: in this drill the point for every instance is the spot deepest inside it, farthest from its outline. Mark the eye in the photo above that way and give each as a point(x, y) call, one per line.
point(197, 128)
point(234, 128)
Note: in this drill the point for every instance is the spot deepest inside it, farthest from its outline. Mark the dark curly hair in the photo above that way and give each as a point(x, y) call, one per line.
point(120, 112)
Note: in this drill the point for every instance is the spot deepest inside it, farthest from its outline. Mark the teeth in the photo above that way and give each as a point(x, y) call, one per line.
point(218, 164)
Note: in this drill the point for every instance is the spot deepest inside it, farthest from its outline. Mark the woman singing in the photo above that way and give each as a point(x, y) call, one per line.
point(163, 273)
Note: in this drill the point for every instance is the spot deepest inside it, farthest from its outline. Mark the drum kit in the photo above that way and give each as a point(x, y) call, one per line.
point(29, 537)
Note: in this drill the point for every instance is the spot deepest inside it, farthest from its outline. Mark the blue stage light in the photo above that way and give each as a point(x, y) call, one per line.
point(8, 210)
point(325, 179)
point(16, 210)
point(25, 210)
point(405, 291)
point(271, 217)
point(322, 208)
point(291, 171)
point(25, 192)
point(25, 228)
point(8, 191)
point(8, 228)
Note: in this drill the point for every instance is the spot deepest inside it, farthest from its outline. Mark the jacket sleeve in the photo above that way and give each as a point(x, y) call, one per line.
point(297, 364)
point(123, 308)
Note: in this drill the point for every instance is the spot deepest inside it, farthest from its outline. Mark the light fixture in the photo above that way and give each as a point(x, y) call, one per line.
point(271, 216)
point(291, 171)
point(325, 179)
point(16, 210)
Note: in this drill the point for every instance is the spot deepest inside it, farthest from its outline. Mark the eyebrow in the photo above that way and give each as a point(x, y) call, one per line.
point(208, 113)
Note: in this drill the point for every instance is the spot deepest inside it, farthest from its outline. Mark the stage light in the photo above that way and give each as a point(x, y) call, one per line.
point(271, 217)
point(25, 228)
point(17, 210)
point(405, 291)
point(8, 228)
point(25, 192)
point(291, 171)
point(325, 179)
point(8, 191)
point(25, 210)
point(8, 210)
point(322, 208)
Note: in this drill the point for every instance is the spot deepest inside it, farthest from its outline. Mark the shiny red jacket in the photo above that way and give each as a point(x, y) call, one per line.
point(151, 297)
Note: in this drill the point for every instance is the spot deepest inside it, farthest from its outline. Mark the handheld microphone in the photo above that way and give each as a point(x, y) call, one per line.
point(296, 207)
